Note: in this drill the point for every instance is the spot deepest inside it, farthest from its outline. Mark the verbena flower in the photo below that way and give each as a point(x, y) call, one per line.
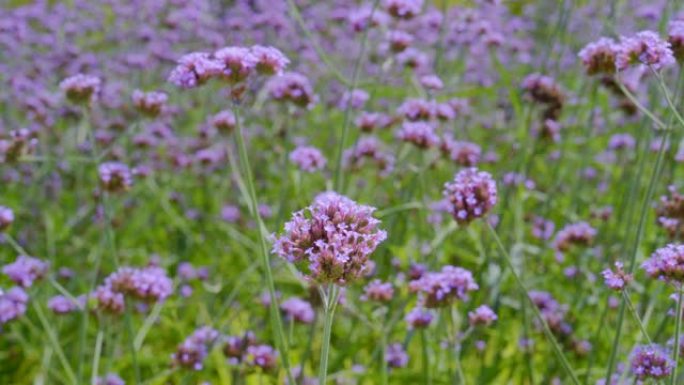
point(292, 87)
point(403, 9)
point(115, 177)
point(482, 316)
point(25, 270)
point(618, 279)
point(6, 217)
point(237, 63)
point(296, 309)
point(378, 291)
point(471, 195)
point(110, 379)
point(194, 69)
point(149, 284)
point(666, 263)
point(149, 103)
point(420, 134)
point(269, 60)
point(192, 352)
point(308, 158)
point(463, 153)
point(675, 32)
point(647, 48)
point(418, 318)
point(262, 356)
point(13, 304)
point(396, 356)
point(439, 289)
point(60, 304)
point(81, 88)
point(580, 233)
point(599, 56)
point(331, 240)
point(650, 361)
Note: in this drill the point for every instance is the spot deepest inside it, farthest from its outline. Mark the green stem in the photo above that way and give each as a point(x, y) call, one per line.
point(330, 302)
point(628, 301)
point(426, 357)
point(251, 198)
point(549, 335)
point(678, 324)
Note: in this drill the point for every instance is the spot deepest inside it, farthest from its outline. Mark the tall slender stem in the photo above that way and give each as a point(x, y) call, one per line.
point(330, 302)
point(251, 198)
point(426, 357)
point(678, 325)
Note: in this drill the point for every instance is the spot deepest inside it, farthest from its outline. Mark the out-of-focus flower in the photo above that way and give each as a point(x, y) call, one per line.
point(471, 195)
point(308, 158)
point(354, 99)
point(666, 263)
point(292, 87)
point(115, 176)
point(6, 217)
point(149, 284)
point(224, 121)
point(149, 103)
point(482, 316)
point(463, 153)
point(675, 32)
point(192, 352)
point(296, 309)
point(420, 134)
point(419, 318)
point(262, 356)
point(60, 304)
point(646, 47)
point(396, 356)
point(599, 56)
point(25, 270)
point(650, 361)
point(110, 379)
point(331, 240)
point(403, 9)
point(269, 60)
point(378, 291)
point(580, 233)
point(194, 69)
point(618, 279)
point(439, 289)
point(81, 88)
point(13, 304)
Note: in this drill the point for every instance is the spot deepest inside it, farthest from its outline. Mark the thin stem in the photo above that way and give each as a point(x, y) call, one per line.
point(628, 301)
point(549, 335)
point(426, 357)
point(330, 302)
point(96, 356)
point(55, 344)
point(678, 324)
point(251, 198)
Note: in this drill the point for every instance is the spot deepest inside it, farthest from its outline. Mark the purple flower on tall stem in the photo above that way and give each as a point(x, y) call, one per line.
point(115, 177)
point(194, 69)
point(80, 88)
point(439, 289)
point(378, 291)
point(650, 361)
point(618, 279)
point(331, 240)
point(599, 56)
point(25, 270)
point(13, 304)
point(666, 263)
point(6, 217)
point(308, 159)
point(471, 195)
point(646, 47)
point(296, 309)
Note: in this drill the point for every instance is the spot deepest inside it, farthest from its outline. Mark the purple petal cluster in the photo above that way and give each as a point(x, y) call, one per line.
point(378, 291)
point(441, 288)
point(675, 32)
point(331, 240)
point(81, 88)
point(580, 234)
point(396, 356)
point(666, 263)
point(420, 134)
point(262, 356)
point(298, 310)
point(647, 48)
point(6, 217)
point(599, 56)
point(149, 103)
point(418, 318)
point(115, 177)
point(471, 195)
point(650, 361)
point(192, 352)
point(25, 270)
point(482, 316)
point(308, 158)
point(149, 284)
point(618, 279)
point(13, 304)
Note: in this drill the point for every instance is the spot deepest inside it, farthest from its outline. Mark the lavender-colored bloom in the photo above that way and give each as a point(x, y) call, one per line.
point(110, 379)
point(418, 318)
point(149, 103)
point(296, 309)
point(471, 195)
point(81, 88)
point(235, 347)
point(646, 47)
point(420, 134)
point(370, 121)
point(332, 239)
point(12, 304)
point(396, 356)
point(650, 361)
point(60, 304)
point(308, 158)
point(6, 217)
point(355, 99)
point(542, 228)
point(618, 279)
point(417, 109)
point(368, 148)
point(403, 9)
point(224, 121)
point(431, 82)
point(230, 213)
point(580, 233)
point(482, 316)
point(439, 289)
point(378, 291)
point(465, 154)
point(675, 32)
point(238, 63)
point(292, 87)
point(115, 176)
point(150, 284)
point(599, 56)
point(192, 352)
point(194, 69)
point(621, 142)
point(666, 263)
point(25, 270)
point(552, 312)
point(269, 60)
point(399, 40)
point(262, 356)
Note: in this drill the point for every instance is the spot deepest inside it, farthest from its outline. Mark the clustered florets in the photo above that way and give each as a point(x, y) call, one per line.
point(471, 195)
point(331, 240)
point(439, 289)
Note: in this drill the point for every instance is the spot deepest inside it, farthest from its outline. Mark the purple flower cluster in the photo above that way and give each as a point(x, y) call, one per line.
point(6, 217)
point(471, 195)
point(666, 263)
point(618, 279)
point(308, 158)
point(552, 312)
point(482, 316)
point(149, 103)
point(670, 212)
point(262, 356)
point(463, 153)
point(81, 88)
point(110, 379)
point(439, 289)
point(650, 361)
point(13, 304)
point(115, 177)
point(599, 56)
point(368, 148)
point(331, 240)
point(192, 352)
point(396, 356)
point(292, 87)
point(25, 270)
point(420, 134)
point(378, 291)
point(149, 284)
point(580, 233)
point(647, 48)
point(298, 310)
point(418, 318)
point(675, 32)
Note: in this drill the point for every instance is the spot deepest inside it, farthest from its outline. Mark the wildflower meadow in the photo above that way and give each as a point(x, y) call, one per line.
point(253, 192)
